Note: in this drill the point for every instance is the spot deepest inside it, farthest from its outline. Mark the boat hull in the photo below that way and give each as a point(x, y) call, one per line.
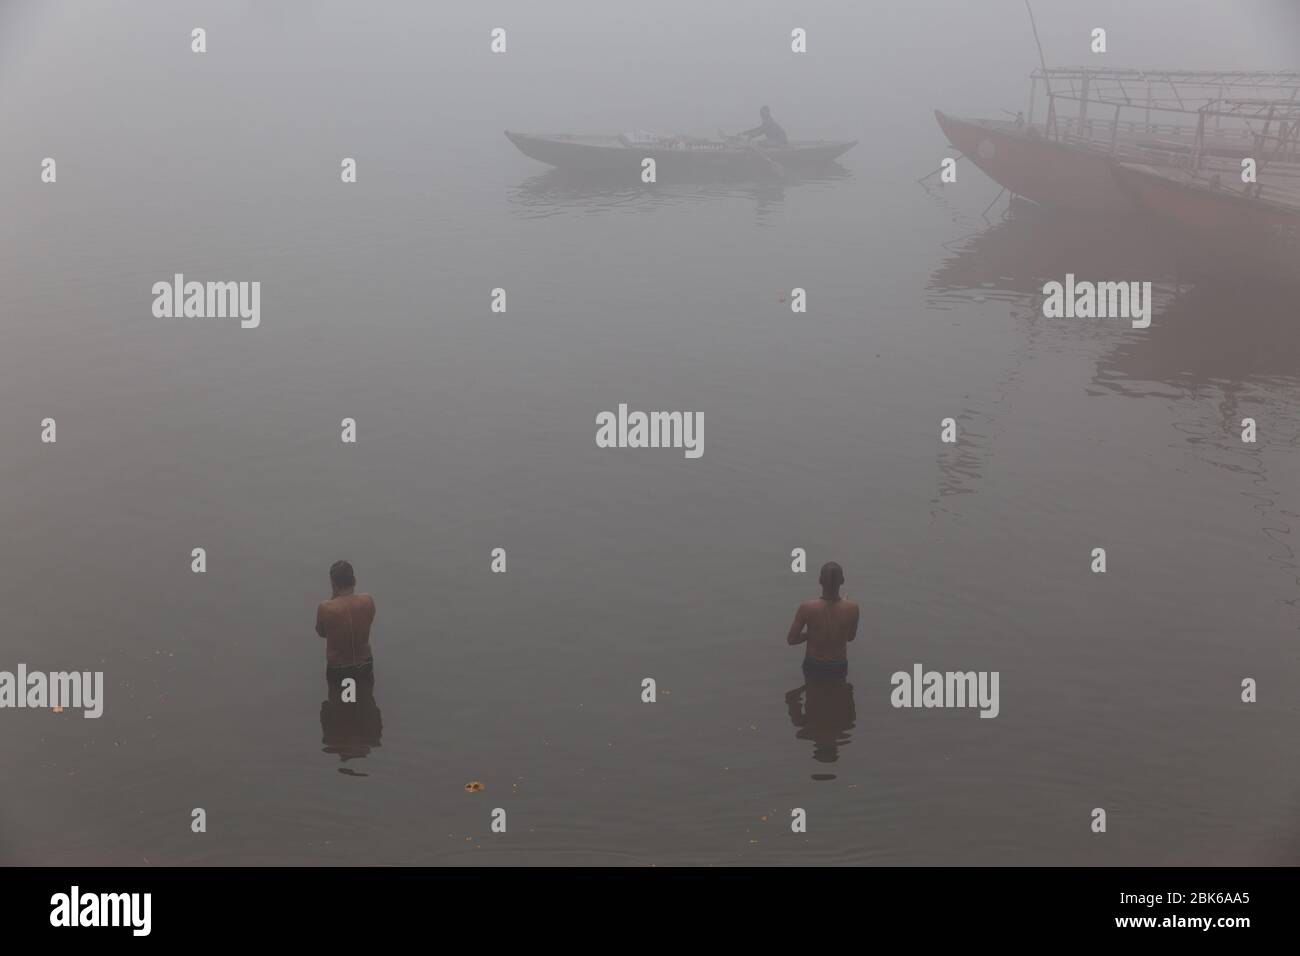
point(1064, 175)
point(606, 154)
point(1220, 228)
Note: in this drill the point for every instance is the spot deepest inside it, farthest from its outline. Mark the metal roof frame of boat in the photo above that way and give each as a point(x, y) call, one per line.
point(1253, 78)
point(1168, 94)
point(1277, 140)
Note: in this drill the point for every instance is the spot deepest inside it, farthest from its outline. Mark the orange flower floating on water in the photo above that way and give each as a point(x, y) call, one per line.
point(473, 786)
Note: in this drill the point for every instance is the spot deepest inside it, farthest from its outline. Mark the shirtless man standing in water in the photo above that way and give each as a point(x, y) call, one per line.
point(827, 623)
point(344, 621)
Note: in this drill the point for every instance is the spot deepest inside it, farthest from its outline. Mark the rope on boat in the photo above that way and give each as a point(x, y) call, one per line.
point(985, 213)
point(939, 170)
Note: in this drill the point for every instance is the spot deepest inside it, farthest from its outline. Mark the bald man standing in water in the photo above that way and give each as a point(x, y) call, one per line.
point(344, 621)
point(827, 624)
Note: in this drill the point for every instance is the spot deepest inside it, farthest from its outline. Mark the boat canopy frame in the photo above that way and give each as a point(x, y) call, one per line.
point(1166, 93)
point(1274, 127)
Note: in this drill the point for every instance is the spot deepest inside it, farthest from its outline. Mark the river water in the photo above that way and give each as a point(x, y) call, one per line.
point(475, 431)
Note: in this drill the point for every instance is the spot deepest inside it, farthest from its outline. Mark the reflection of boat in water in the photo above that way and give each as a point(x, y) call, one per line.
point(1212, 334)
point(1218, 348)
point(1145, 118)
point(1205, 329)
point(1006, 263)
point(674, 155)
point(1032, 244)
point(558, 191)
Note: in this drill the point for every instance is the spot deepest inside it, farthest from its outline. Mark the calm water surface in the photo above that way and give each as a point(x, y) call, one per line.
point(476, 431)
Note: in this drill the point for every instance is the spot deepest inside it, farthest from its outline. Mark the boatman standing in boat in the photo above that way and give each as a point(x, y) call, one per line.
point(344, 621)
point(827, 624)
point(771, 132)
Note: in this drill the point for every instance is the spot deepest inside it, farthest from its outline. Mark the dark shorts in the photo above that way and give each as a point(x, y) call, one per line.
point(354, 671)
point(815, 668)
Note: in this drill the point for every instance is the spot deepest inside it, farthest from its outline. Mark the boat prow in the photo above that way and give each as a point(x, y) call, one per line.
point(1027, 163)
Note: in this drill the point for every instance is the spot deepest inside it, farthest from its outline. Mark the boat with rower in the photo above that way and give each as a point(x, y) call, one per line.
point(672, 154)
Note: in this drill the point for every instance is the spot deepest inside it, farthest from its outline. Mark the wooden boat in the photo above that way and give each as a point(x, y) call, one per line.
point(1245, 228)
point(1248, 229)
point(1222, 226)
point(596, 153)
point(1069, 175)
point(1208, 204)
point(1066, 161)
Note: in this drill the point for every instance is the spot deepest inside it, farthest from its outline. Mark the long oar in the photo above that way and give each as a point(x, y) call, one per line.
point(772, 164)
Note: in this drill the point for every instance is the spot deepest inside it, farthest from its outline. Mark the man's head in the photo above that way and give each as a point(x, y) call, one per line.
point(342, 576)
point(831, 578)
point(764, 112)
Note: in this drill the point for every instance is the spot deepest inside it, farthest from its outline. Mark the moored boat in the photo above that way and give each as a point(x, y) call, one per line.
point(1206, 204)
point(1027, 163)
point(602, 153)
point(1246, 227)
point(1066, 161)
point(1230, 229)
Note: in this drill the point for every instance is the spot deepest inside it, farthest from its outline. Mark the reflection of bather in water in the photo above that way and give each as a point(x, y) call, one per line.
point(350, 729)
point(825, 717)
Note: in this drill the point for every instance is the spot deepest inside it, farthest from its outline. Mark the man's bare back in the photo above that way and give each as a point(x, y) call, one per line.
point(344, 621)
point(827, 626)
point(826, 623)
